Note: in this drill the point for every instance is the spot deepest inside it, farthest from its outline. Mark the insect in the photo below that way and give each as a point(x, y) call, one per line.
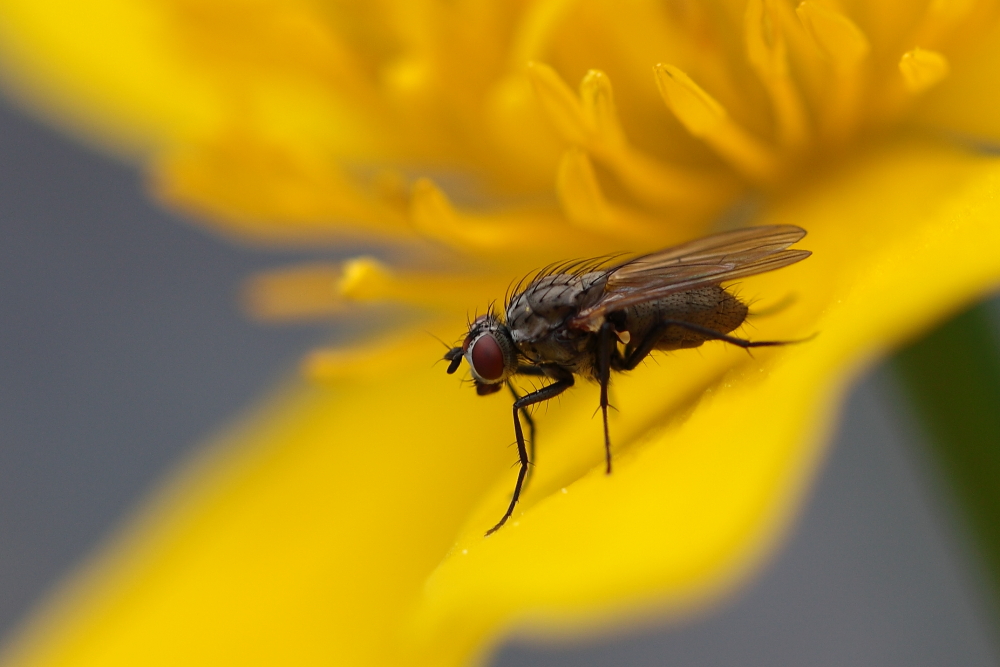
point(589, 319)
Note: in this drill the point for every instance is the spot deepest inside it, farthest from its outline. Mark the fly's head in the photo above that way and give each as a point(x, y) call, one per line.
point(490, 352)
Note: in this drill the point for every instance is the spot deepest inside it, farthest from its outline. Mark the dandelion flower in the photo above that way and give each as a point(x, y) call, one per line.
point(473, 141)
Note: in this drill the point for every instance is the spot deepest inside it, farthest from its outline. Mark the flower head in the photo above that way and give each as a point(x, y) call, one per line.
point(349, 523)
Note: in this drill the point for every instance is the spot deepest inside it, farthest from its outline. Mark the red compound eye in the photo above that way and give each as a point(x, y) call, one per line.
point(468, 339)
point(487, 358)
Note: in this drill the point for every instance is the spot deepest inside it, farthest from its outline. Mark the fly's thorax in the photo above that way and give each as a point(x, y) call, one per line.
point(490, 351)
point(710, 307)
point(547, 302)
point(537, 318)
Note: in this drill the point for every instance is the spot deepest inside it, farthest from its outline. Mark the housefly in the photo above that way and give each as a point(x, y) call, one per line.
point(589, 319)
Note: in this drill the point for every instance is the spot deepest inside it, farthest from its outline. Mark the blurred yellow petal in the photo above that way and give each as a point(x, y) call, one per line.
point(835, 34)
point(280, 518)
point(768, 54)
point(591, 121)
point(966, 102)
point(846, 48)
point(585, 205)
point(706, 119)
point(311, 291)
point(275, 193)
point(923, 69)
point(493, 234)
point(338, 526)
point(62, 49)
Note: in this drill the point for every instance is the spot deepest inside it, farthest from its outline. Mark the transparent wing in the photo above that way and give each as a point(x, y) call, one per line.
point(700, 263)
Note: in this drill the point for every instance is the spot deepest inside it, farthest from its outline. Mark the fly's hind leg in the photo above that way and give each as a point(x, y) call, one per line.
point(646, 345)
point(563, 383)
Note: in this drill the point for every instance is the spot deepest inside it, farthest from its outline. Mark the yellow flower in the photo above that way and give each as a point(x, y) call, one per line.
point(343, 522)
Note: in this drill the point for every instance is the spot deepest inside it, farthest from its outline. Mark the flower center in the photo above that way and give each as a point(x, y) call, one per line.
point(710, 100)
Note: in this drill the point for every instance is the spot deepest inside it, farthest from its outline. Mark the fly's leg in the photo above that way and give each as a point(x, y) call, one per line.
point(543, 394)
point(605, 345)
point(531, 429)
point(534, 371)
point(645, 346)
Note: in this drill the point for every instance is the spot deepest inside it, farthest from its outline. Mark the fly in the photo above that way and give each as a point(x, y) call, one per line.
point(570, 319)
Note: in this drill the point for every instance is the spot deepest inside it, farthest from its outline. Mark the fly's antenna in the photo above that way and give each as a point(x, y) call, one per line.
point(453, 356)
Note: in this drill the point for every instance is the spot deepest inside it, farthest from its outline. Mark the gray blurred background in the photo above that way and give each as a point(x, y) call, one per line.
point(122, 347)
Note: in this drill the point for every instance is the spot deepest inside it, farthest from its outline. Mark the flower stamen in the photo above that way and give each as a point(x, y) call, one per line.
point(706, 119)
point(433, 216)
point(317, 291)
point(534, 32)
point(277, 194)
point(299, 293)
point(941, 19)
point(767, 52)
point(585, 205)
point(922, 69)
point(591, 121)
point(846, 48)
point(365, 279)
point(843, 42)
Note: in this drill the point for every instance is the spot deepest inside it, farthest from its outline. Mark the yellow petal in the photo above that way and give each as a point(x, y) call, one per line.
point(527, 232)
point(302, 292)
point(846, 48)
point(62, 52)
point(561, 104)
point(715, 466)
point(967, 102)
point(271, 191)
point(313, 291)
point(585, 205)
point(293, 490)
point(592, 122)
point(941, 17)
point(143, 75)
point(705, 118)
point(335, 527)
point(767, 52)
point(923, 69)
point(834, 33)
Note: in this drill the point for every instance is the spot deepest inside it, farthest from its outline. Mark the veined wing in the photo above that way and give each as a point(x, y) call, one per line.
point(700, 263)
point(728, 249)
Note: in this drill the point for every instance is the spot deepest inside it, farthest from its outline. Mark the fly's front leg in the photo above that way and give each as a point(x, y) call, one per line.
point(531, 428)
point(534, 371)
point(605, 345)
point(543, 394)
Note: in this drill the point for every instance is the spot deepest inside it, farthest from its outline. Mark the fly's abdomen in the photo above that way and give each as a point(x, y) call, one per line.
point(709, 307)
